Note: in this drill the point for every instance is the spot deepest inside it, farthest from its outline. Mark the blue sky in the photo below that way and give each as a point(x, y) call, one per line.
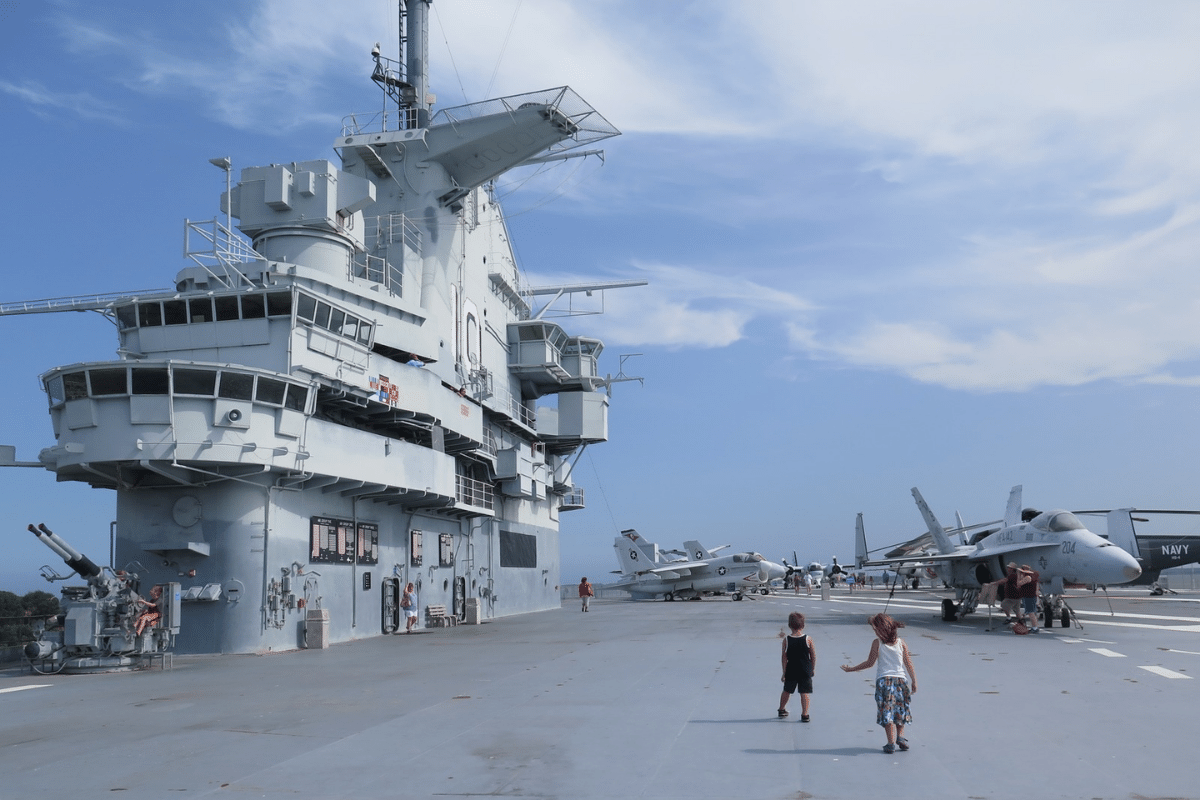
point(939, 244)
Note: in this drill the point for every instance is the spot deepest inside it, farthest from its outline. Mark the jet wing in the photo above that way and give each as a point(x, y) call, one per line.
point(683, 568)
point(968, 554)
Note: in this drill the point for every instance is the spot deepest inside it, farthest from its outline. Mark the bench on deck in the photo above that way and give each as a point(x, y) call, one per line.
point(436, 616)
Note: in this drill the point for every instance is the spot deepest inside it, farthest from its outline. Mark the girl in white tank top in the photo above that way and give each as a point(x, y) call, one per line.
point(895, 679)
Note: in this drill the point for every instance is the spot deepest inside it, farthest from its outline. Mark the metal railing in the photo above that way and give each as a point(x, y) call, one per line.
point(472, 492)
point(87, 302)
point(219, 251)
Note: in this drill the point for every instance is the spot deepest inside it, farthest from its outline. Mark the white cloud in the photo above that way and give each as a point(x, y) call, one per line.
point(45, 102)
point(686, 307)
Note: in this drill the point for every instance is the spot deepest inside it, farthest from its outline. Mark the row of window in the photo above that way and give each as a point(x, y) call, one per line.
point(253, 305)
point(316, 312)
point(221, 308)
point(109, 381)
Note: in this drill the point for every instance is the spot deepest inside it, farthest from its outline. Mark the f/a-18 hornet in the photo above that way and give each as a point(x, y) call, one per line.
point(645, 574)
point(1055, 543)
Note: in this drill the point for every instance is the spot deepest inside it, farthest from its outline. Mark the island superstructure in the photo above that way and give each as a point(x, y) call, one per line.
point(359, 394)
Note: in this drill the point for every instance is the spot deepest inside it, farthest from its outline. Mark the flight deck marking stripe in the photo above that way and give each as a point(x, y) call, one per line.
point(1167, 673)
point(1176, 628)
point(23, 688)
point(1104, 651)
point(1135, 616)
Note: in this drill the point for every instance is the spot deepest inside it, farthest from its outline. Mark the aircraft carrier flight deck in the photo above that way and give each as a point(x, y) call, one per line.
point(637, 699)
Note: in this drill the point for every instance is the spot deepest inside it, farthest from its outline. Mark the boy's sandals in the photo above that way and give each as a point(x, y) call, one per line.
point(782, 713)
point(804, 717)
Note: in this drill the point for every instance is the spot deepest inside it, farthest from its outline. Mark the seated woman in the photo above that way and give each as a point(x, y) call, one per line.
point(149, 613)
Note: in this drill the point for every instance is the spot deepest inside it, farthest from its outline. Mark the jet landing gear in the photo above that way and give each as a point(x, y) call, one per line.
point(949, 610)
point(1057, 608)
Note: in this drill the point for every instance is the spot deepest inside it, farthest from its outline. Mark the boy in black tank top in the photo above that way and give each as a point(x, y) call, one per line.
point(799, 666)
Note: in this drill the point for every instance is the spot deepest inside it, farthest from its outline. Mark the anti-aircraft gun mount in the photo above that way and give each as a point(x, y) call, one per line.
point(107, 625)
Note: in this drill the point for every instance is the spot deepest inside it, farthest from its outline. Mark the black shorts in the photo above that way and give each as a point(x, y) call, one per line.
point(801, 685)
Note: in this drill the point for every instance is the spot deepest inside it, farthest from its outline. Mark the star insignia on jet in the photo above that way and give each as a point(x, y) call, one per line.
point(720, 570)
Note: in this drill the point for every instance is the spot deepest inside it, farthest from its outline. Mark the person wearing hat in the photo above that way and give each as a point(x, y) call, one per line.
point(1029, 580)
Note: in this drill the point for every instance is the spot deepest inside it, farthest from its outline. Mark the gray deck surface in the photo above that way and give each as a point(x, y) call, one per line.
point(638, 700)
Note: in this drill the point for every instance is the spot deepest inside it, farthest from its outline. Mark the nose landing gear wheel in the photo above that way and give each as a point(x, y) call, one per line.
point(949, 612)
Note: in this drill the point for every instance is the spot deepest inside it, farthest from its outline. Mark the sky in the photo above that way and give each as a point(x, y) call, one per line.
point(948, 245)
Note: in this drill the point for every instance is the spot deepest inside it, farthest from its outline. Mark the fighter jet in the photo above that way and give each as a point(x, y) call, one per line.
point(645, 574)
point(1055, 543)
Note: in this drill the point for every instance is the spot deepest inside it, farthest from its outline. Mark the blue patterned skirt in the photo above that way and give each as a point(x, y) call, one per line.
point(892, 697)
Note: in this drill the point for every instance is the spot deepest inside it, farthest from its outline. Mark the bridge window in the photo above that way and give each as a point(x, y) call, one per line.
point(151, 381)
point(279, 304)
point(201, 309)
point(297, 397)
point(195, 381)
point(75, 386)
point(175, 312)
point(321, 320)
point(126, 317)
point(306, 307)
point(253, 306)
point(236, 386)
point(150, 315)
point(270, 391)
point(227, 307)
point(109, 381)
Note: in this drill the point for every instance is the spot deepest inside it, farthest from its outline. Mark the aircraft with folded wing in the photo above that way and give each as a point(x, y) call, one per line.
point(646, 572)
point(1055, 543)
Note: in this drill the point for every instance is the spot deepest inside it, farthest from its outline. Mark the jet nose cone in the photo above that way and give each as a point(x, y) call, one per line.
point(1123, 564)
point(769, 571)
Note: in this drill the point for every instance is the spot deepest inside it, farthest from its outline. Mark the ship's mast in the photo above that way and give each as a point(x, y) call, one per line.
point(406, 81)
point(417, 57)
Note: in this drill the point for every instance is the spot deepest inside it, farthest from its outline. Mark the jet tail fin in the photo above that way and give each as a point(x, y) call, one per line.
point(860, 543)
point(1012, 514)
point(1120, 531)
point(630, 557)
point(697, 551)
point(944, 545)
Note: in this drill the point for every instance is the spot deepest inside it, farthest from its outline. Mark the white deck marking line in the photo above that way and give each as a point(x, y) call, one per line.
point(23, 688)
point(1135, 616)
point(1185, 652)
point(1104, 651)
point(1148, 626)
point(1167, 673)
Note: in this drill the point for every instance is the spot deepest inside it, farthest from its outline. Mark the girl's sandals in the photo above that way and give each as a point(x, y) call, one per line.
point(902, 743)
